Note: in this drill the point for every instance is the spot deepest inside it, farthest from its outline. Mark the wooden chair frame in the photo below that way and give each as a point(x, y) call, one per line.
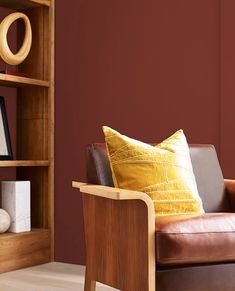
point(120, 238)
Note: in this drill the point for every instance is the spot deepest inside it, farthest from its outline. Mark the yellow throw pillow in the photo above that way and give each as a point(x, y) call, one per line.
point(163, 171)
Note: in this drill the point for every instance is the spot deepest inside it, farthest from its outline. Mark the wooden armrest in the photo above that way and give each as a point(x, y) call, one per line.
point(121, 225)
point(230, 188)
point(113, 193)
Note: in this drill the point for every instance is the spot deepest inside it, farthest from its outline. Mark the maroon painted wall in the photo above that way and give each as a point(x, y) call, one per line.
point(146, 68)
point(227, 88)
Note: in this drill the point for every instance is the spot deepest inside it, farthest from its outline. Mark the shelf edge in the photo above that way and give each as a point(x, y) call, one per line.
point(24, 163)
point(10, 80)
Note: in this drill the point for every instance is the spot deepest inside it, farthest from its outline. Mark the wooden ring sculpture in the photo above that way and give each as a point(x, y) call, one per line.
point(5, 52)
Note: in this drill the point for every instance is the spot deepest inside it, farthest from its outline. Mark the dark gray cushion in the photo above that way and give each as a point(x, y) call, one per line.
point(206, 168)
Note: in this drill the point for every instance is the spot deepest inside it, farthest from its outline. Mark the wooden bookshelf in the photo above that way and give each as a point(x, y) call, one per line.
point(16, 81)
point(24, 4)
point(34, 158)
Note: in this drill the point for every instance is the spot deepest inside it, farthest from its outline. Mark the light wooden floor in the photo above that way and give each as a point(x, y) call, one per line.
point(47, 277)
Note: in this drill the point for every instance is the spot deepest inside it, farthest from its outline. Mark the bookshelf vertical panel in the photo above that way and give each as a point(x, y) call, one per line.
point(51, 118)
point(32, 124)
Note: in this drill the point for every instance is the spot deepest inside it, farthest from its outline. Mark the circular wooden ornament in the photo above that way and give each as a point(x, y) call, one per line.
point(5, 52)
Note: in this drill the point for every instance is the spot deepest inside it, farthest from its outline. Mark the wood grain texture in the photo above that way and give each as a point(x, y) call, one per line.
point(89, 284)
point(36, 118)
point(24, 249)
point(24, 163)
point(51, 125)
point(32, 121)
point(34, 159)
point(23, 4)
point(112, 193)
point(120, 237)
point(32, 115)
point(16, 81)
point(35, 65)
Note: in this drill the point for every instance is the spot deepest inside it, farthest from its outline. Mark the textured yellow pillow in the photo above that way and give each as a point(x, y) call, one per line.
point(163, 171)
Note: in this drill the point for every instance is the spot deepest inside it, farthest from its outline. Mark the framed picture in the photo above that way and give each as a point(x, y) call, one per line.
point(5, 142)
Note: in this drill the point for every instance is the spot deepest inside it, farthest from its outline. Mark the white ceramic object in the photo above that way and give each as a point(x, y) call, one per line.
point(5, 52)
point(16, 201)
point(5, 221)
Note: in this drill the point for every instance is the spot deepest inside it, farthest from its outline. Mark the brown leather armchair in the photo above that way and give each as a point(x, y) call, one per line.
point(128, 250)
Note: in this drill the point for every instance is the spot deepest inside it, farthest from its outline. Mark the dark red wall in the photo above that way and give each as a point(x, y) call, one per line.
point(227, 88)
point(146, 68)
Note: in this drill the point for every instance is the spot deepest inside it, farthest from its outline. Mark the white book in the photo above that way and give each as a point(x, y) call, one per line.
point(16, 201)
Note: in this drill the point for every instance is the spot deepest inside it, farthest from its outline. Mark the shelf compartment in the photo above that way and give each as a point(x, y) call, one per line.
point(9, 235)
point(24, 4)
point(24, 163)
point(17, 81)
point(24, 249)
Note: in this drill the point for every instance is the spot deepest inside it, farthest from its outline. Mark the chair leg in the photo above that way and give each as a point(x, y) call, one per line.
point(90, 284)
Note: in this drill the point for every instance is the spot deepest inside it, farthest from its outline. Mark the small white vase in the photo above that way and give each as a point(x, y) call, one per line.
point(5, 221)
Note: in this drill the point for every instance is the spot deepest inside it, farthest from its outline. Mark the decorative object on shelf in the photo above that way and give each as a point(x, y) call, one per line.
point(5, 221)
point(5, 142)
point(16, 201)
point(5, 52)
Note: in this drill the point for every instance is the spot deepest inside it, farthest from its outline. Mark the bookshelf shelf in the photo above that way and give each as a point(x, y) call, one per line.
point(24, 4)
point(35, 242)
point(24, 163)
point(16, 81)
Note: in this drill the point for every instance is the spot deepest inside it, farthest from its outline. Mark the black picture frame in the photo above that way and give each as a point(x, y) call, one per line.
point(5, 141)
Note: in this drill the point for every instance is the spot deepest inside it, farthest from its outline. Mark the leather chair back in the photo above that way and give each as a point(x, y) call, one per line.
point(206, 168)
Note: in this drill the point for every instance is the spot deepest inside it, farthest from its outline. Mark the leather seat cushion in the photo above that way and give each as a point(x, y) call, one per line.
point(191, 239)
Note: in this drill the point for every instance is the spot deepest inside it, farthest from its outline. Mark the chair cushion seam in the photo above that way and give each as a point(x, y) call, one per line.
point(186, 258)
point(194, 233)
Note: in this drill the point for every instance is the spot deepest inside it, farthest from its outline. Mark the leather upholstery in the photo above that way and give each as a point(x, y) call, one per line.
point(185, 245)
point(199, 239)
point(218, 277)
point(209, 178)
point(205, 165)
point(98, 168)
